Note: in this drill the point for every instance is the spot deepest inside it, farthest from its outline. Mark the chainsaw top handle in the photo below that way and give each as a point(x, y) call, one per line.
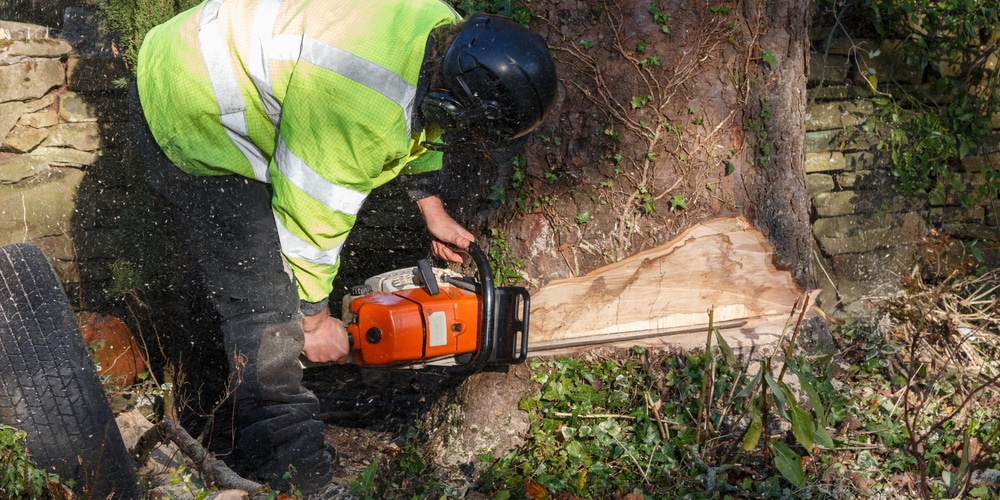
point(486, 314)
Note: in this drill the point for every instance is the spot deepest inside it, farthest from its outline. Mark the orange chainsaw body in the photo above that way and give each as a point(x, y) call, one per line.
point(411, 325)
point(437, 319)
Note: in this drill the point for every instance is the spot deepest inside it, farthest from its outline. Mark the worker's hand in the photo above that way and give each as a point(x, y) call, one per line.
point(444, 229)
point(326, 339)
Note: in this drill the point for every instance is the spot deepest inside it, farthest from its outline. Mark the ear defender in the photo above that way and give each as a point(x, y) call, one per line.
point(442, 108)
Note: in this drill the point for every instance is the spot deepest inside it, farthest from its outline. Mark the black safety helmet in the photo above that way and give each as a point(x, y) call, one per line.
point(498, 82)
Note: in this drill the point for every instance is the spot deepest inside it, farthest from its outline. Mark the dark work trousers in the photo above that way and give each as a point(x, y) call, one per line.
point(231, 236)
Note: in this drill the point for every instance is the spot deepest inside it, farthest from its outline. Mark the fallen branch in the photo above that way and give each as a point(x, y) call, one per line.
point(213, 471)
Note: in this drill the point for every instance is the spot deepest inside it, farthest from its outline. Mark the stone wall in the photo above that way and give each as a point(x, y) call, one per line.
point(64, 183)
point(866, 234)
point(50, 135)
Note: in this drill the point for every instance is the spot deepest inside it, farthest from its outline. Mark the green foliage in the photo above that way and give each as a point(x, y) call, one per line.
point(759, 126)
point(768, 57)
point(188, 482)
point(410, 476)
point(660, 17)
point(508, 8)
point(640, 101)
point(710, 424)
point(506, 266)
point(606, 428)
point(518, 174)
point(132, 19)
point(19, 478)
point(594, 432)
point(926, 149)
point(677, 202)
point(941, 31)
point(525, 196)
point(363, 486)
point(652, 60)
point(126, 281)
point(720, 9)
point(927, 139)
point(933, 422)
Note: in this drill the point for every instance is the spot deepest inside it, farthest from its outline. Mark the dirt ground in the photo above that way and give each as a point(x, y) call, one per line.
point(368, 411)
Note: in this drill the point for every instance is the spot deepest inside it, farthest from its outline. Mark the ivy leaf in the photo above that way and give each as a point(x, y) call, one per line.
point(677, 201)
point(536, 491)
point(575, 450)
point(768, 57)
point(873, 81)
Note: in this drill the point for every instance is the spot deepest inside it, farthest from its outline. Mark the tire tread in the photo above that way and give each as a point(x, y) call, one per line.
point(49, 387)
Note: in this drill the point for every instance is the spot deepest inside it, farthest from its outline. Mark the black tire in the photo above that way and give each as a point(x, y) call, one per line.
point(49, 386)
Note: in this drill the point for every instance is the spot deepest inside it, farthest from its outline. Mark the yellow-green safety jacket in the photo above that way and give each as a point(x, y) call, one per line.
point(315, 97)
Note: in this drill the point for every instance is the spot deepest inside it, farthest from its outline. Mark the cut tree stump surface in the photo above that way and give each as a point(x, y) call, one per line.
point(724, 265)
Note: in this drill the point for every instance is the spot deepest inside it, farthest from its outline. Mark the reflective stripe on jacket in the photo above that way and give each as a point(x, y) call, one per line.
point(314, 97)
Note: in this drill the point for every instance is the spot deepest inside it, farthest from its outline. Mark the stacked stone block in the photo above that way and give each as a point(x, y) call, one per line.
point(867, 235)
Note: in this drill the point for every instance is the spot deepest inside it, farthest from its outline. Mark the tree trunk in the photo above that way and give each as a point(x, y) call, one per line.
point(776, 184)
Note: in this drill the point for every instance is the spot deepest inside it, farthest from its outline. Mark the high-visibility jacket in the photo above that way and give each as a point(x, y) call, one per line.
point(315, 97)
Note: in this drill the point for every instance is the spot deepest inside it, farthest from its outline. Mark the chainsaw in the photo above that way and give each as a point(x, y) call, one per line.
point(426, 317)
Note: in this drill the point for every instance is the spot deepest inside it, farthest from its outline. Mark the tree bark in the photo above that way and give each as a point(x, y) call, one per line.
point(776, 191)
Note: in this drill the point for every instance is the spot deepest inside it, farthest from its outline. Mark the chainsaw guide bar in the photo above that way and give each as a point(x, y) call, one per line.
point(541, 348)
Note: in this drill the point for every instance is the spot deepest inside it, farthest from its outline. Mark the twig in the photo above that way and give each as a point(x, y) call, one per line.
point(214, 471)
point(645, 477)
point(706, 383)
point(664, 430)
point(593, 415)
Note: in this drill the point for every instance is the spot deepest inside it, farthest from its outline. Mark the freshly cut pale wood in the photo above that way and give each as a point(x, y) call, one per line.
point(724, 265)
